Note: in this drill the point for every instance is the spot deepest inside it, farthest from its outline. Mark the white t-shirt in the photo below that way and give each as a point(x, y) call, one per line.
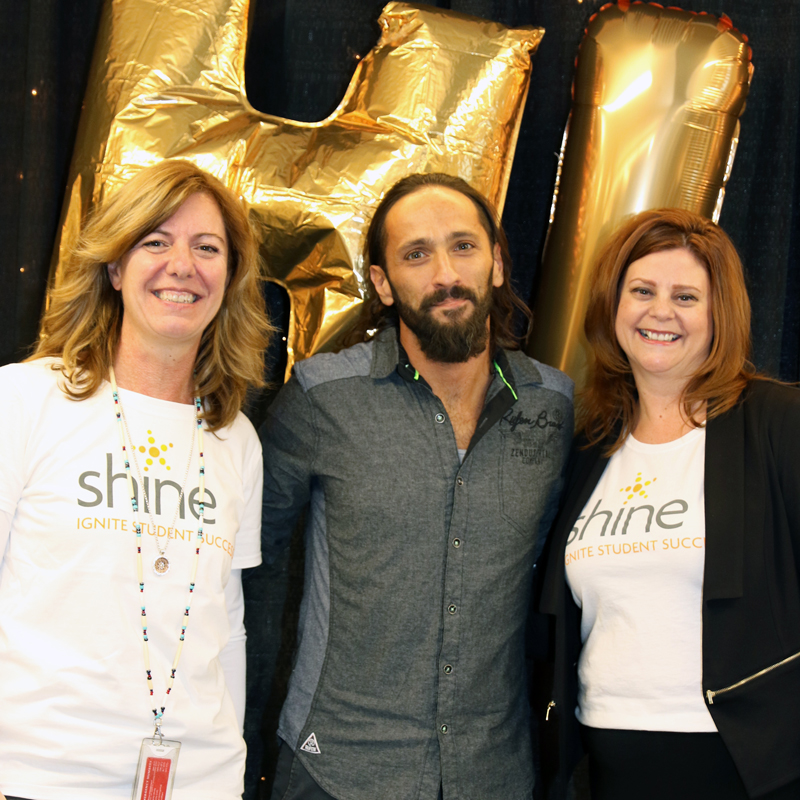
point(74, 706)
point(634, 563)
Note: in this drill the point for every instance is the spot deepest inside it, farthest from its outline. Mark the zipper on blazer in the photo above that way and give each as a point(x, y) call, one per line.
point(550, 706)
point(710, 694)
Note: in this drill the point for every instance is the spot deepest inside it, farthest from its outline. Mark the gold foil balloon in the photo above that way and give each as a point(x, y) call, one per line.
point(655, 121)
point(440, 92)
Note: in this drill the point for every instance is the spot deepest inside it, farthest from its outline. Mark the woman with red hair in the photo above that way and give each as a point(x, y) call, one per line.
point(674, 567)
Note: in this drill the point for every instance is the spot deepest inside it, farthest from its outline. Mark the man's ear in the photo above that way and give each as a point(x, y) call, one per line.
point(498, 272)
point(114, 275)
point(381, 284)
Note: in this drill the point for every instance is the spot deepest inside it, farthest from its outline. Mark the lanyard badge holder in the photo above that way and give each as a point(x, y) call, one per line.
point(155, 774)
point(158, 757)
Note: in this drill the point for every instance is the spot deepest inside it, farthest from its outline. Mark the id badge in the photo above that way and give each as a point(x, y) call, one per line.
point(156, 771)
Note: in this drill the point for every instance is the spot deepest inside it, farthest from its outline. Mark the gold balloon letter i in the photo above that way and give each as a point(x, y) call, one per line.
point(440, 92)
point(655, 121)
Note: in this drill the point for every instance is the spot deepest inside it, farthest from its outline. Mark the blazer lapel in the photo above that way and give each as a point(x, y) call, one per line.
point(585, 471)
point(724, 501)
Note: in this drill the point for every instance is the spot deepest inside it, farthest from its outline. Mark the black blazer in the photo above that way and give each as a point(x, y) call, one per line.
point(751, 593)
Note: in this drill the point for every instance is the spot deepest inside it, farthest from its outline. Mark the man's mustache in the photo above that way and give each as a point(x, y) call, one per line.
point(454, 292)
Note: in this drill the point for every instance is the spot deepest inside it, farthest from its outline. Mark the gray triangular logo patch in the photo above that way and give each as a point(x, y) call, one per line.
point(310, 745)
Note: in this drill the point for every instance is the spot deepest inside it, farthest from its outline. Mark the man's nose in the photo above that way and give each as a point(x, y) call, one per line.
point(445, 273)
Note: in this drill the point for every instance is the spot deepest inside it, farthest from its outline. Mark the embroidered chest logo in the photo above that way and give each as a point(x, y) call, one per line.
point(528, 436)
point(512, 420)
point(530, 455)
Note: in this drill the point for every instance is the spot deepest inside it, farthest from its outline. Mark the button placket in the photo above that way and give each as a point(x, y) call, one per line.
point(452, 600)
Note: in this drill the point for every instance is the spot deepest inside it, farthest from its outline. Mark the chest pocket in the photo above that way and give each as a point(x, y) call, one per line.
point(530, 464)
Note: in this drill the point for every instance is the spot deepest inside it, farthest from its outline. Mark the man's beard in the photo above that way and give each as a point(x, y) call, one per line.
point(449, 342)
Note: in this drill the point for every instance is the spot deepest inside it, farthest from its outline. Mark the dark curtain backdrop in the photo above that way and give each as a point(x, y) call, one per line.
point(301, 56)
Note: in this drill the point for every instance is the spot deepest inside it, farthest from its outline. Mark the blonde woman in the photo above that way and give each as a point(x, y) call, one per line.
point(130, 494)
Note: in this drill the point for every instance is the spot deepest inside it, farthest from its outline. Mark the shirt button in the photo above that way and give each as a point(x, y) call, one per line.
point(447, 669)
point(460, 481)
point(444, 728)
point(439, 418)
point(456, 542)
point(451, 608)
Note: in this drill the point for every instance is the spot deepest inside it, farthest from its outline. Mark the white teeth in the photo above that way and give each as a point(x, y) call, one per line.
point(659, 337)
point(176, 297)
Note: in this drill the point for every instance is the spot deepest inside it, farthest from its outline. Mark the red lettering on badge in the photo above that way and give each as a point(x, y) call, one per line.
point(156, 778)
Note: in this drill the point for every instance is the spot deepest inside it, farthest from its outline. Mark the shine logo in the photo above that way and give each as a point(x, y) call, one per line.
point(637, 488)
point(154, 452)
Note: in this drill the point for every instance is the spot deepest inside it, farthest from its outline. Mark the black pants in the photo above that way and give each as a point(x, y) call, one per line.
point(292, 781)
point(661, 765)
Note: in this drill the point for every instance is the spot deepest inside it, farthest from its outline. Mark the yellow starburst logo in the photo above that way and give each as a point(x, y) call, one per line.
point(637, 488)
point(155, 452)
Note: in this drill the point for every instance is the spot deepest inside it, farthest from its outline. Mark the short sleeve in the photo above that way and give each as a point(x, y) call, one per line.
point(13, 443)
point(248, 537)
point(289, 440)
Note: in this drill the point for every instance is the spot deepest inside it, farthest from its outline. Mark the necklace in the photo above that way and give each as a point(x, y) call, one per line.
point(160, 562)
point(159, 714)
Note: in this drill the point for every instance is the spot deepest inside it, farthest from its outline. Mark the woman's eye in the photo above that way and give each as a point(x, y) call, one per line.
point(154, 244)
point(686, 298)
point(209, 248)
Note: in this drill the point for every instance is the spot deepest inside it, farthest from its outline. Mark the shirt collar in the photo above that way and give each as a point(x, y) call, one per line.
point(408, 372)
point(390, 356)
point(386, 353)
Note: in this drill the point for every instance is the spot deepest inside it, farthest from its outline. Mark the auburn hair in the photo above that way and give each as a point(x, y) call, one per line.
point(609, 404)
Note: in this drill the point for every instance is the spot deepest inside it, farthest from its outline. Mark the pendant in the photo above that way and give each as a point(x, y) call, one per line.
point(161, 565)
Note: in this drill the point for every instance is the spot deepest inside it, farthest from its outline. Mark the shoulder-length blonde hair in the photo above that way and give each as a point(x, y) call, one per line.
point(83, 322)
point(609, 404)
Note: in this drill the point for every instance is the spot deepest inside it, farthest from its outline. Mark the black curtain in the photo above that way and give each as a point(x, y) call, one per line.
point(300, 58)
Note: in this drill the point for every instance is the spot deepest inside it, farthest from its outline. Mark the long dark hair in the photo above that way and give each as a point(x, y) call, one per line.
point(505, 301)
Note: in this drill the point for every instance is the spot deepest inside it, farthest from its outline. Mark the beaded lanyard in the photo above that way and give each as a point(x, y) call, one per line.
point(158, 715)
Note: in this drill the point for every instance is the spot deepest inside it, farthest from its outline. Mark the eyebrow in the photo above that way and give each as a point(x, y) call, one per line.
point(682, 287)
point(163, 232)
point(451, 237)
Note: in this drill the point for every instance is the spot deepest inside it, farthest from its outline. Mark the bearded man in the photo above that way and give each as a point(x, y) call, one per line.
point(431, 458)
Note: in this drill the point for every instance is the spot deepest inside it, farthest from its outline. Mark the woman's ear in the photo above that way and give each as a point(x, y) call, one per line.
point(114, 275)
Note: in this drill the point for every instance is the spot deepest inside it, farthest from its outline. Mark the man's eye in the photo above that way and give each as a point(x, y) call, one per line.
point(415, 255)
point(464, 246)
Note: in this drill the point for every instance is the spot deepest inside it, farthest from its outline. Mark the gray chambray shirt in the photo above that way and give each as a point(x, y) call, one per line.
point(410, 669)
